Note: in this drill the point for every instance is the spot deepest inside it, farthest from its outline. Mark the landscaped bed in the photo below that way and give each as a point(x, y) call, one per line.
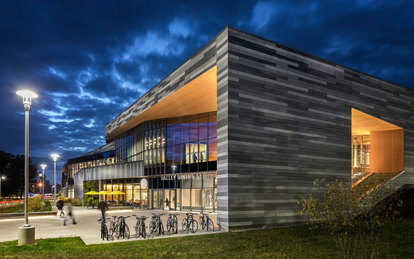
point(290, 242)
point(16, 206)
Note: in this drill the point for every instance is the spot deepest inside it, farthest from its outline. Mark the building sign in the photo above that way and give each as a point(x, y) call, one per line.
point(144, 183)
point(195, 176)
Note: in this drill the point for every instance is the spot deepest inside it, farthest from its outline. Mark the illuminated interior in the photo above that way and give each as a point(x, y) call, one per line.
point(377, 146)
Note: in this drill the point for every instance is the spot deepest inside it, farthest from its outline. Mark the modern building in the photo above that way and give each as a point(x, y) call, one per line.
point(245, 126)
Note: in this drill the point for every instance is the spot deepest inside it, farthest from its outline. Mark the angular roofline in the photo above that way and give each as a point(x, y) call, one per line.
point(182, 64)
point(314, 56)
point(294, 50)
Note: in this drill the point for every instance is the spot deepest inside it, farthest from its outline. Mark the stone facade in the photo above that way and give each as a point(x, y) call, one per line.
point(284, 120)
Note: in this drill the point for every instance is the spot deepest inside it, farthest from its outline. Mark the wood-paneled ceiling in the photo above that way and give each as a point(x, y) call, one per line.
point(363, 124)
point(198, 96)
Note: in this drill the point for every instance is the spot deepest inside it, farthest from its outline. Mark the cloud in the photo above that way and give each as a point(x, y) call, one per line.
point(56, 73)
point(90, 124)
point(87, 67)
point(268, 13)
point(180, 28)
point(153, 43)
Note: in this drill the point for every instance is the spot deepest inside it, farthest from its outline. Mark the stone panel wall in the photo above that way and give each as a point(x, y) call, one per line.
point(289, 122)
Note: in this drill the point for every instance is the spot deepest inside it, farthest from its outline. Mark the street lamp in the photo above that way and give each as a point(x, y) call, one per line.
point(55, 157)
point(43, 166)
point(26, 232)
point(1, 178)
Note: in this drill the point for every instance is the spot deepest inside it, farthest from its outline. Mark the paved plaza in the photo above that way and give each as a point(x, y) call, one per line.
point(88, 227)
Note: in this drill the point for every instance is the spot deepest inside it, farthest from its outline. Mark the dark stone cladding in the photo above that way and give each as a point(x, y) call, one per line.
point(284, 120)
point(289, 123)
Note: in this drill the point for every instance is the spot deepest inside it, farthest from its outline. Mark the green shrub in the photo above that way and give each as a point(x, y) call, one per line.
point(35, 204)
point(12, 208)
point(47, 206)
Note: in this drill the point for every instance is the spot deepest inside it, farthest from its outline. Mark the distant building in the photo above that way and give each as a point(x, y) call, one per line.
point(244, 127)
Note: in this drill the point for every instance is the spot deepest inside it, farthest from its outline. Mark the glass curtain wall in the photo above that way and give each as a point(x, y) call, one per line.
point(129, 146)
point(181, 145)
point(192, 144)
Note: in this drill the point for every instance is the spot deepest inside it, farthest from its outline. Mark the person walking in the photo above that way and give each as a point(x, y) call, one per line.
point(59, 206)
point(167, 204)
point(103, 206)
point(69, 213)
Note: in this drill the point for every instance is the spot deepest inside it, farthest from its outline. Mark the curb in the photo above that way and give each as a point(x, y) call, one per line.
point(21, 214)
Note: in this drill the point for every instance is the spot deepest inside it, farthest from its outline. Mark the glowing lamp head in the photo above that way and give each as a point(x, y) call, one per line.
point(27, 97)
point(54, 156)
point(3, 177)
point(43, 166)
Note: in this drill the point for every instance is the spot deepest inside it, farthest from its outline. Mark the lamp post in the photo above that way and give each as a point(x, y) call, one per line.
point(26, 232)
point(1, 178)
point(43, 166)
point(55, 157)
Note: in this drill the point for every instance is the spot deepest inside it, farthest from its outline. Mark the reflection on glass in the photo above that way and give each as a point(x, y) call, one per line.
point(212, 151)
point(186, 198)
point(196, 198)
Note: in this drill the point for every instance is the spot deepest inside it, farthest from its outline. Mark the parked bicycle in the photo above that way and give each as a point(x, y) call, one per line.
point(189, 223)
point(172, 223)
point(155, 226)
point(140, 228)
point(206, 222)
point(118, 228)
point(104, 230)
point(123, 229)
point(113, 227)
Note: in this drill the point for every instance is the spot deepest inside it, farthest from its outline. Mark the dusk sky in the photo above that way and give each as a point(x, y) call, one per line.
point(89, 60)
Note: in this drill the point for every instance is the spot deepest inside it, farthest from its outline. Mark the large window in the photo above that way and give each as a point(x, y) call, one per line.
point(175, 145)
point(192, 143)
point(129, 146)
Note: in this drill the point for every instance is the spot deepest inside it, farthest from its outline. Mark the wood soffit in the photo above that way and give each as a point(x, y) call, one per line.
point(198, 96)
point(363, 124)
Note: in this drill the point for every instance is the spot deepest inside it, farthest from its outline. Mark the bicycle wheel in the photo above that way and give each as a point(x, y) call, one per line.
point(194, 226)
point(161, 228)
point(111, 229)
point(151, 227)
point(143, 231)
point(137, 230)
point(175, 226)
point(118, 230)
point(126, 232)
point(184, 224)
point(106, 232)
point(102, 232)
point(169, 223)
point(210, 225)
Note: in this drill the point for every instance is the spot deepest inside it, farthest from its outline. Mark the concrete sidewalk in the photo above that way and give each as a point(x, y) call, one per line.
point(87, 227)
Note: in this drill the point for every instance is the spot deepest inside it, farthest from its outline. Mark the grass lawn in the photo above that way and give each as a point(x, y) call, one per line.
point(289, 242)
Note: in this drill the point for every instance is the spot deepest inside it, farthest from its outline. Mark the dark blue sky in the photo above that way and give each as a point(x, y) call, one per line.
point(89, 60)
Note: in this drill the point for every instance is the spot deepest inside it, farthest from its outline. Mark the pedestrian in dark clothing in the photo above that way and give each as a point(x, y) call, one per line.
point(69, 212)
point(59, 206)
point(103, 206)
point(167, 204)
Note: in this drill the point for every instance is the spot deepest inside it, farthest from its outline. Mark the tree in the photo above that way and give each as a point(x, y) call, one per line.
point(90, 186)
point(12, 166)
point(352, 219)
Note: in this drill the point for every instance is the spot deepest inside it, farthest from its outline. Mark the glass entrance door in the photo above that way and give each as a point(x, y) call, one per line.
point(157, 199)
point(172, 200)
